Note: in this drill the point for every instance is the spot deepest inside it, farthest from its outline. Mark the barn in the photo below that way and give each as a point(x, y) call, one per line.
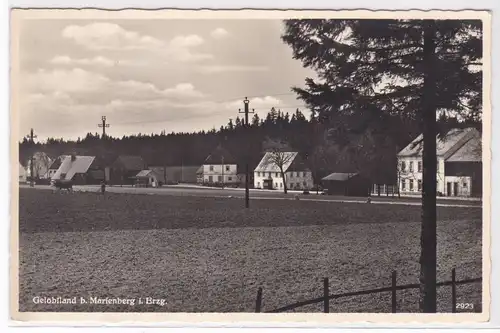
point(346, 184)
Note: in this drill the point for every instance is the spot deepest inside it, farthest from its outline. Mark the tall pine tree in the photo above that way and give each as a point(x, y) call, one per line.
point(379, 72)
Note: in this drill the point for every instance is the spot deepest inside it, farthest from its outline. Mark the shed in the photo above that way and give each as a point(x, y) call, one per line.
point(148, 178)
point(346, 184)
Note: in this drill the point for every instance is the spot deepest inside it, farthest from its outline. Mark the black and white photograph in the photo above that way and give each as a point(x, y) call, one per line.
point(252, 162)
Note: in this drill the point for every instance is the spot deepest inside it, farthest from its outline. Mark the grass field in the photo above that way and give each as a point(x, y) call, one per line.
point(211, 254)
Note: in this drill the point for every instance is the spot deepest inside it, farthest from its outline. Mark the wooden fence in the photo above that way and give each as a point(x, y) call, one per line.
point(325, 299)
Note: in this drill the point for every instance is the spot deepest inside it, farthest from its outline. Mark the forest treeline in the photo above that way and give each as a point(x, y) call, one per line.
point(317, 140)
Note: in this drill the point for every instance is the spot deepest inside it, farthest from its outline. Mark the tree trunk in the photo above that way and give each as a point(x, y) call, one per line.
point(428, 238)
point(285, 189)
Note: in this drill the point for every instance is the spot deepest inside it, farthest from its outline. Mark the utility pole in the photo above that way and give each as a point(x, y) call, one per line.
point(103, 125)
point(32, 137)
point(222, 172)
point(246, 111)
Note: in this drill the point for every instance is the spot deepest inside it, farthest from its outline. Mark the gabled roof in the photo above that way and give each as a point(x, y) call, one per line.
point(148, 172)
point(70, 167)
point(471, 151)
point(339, 176)
point(267, 164)
point(445, 146)
point(129, 162)
point(220, 156)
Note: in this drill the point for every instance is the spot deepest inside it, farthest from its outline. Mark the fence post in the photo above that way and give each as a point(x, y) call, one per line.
point(326, 295)
point(393, 290)
point(453, 291)
point(258, 302)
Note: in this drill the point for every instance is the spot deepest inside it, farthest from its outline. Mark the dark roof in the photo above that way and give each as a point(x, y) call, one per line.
point(56, 164)
point(339, 176)
point(135, 163)
point(220, 156)
point(298, 164)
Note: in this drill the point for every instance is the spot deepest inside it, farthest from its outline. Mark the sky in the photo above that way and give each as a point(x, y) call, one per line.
point(146, 76)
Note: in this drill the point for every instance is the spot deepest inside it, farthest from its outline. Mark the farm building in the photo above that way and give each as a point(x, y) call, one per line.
point(459, 168)
point(177, 174)
point(123, 170)
point(54, 166)
point(346, 184)
point(148, 178)
point(297, 175)
point(80, 169)
point(218, 168)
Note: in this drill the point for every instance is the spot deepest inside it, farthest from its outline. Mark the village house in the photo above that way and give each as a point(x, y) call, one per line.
point(83, 170)
point(297, 175)
point(22, 173)
point(54, 166)
point(123, 170)
point(459, 165)
point(218, 168)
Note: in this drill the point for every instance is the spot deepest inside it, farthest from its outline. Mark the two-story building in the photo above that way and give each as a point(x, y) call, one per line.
point(459, 164)
point(220, 168)
point(267, 174)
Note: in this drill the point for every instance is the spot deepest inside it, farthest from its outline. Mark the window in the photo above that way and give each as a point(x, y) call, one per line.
point(210, 179)
point(258, 184)
point(211, 168)
point(304, 183)
point(411, 166)
point(465, 185)
point(270, 174)
point(419, 184)
point(403, 166)
point(403, 185)
point(227, 168)
point(229, 178)
point(291, 174)
point(276, 175)
point(258, 174)
point(219, 178)
point(411, 184)
point(419, 166)
point(276, 185)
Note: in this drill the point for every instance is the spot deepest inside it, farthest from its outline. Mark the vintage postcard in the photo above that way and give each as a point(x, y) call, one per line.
point(250, 166)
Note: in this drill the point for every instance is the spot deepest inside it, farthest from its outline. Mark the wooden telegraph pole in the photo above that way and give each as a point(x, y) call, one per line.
point(246, 111)
point(103, 125)
point(32, 137)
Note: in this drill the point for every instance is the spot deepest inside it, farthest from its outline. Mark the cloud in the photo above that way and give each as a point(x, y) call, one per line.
point(211, 69)
point(99, 61)
point(219, 33)
point(87, 87)
point(110, 36)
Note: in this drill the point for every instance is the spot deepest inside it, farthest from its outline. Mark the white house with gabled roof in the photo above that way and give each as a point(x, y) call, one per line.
point(267, 174)
point(459, 164)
